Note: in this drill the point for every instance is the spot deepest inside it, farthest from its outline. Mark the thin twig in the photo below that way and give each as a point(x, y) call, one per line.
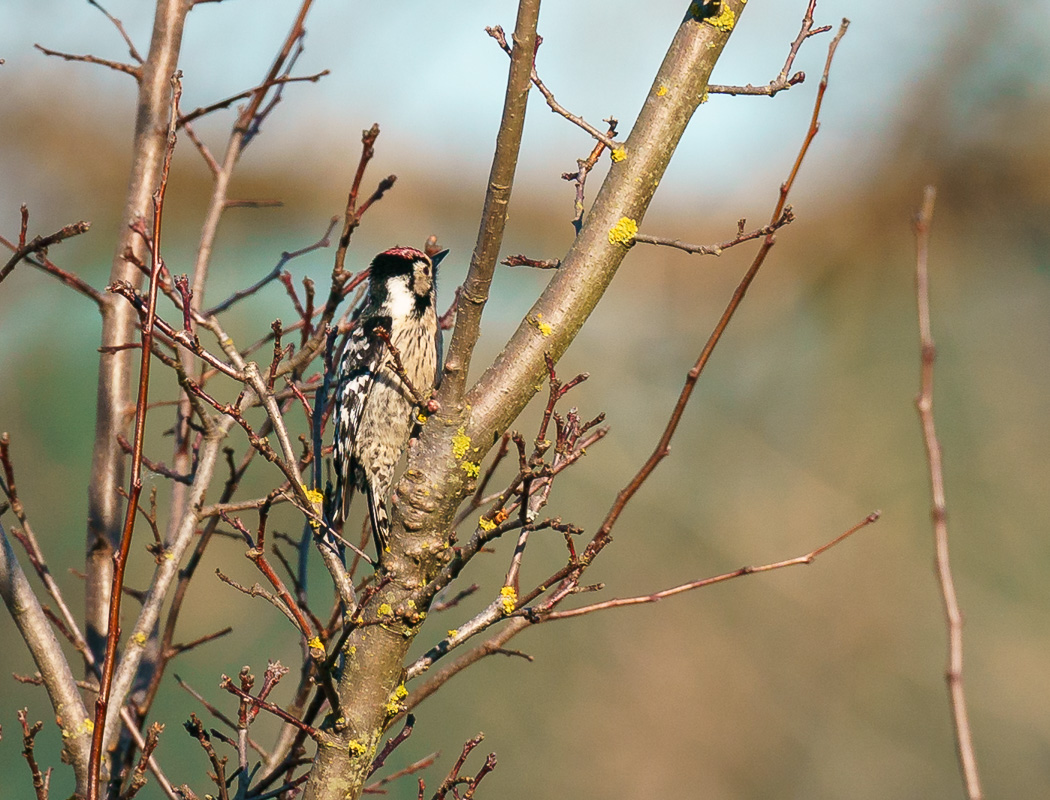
point(138, 777)
point(121, 557)
point(924, 404)
point(392, 745)
point(535, 263)
point(215, 712)
point(41, 781)
point(808, 558)
point(197, 113)
point(277, 711)
point(781, 81)
point(411, 769)
point(583, 169)
point(497, 33)
point(785, 218)
point(40, 245)
point(130, 69)
point(272, 275)
point(566, 579)
point(132, 51)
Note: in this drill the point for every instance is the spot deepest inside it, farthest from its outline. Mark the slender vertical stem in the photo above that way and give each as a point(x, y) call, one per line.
point(119, 320)
point(924, 403)
point(121, 557)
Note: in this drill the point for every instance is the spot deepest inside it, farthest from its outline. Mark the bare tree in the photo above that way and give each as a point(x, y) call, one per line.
point(355, 682)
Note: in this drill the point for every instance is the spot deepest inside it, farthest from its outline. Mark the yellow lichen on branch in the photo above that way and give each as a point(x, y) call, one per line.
point(623, 232)
point(510, 599)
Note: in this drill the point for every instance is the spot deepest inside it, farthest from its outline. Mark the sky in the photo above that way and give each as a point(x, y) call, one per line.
point(435, 84)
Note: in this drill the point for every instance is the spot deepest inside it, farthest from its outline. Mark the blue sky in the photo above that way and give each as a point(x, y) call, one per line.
point(434, 80)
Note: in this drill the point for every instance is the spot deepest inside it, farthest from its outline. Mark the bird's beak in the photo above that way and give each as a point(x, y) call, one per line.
point(436, 258)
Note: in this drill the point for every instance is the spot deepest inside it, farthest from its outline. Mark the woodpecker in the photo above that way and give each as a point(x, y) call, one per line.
point(374, 408)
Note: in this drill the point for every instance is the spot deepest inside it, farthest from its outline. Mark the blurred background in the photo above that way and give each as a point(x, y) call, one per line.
point(825, 682)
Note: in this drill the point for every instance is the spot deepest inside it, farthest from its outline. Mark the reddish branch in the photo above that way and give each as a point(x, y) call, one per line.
point(601, 538)
point(138, 777)
point(392, 745)
point(277, 711)
point(453, 779)
point(924, 404)
point(121, 557)
point(808, 558)
point(583, 169)
point(216, 712)
point(411, 769)
point(257, 555)
point(41, 781)
point(352, 215)
point(39, 244)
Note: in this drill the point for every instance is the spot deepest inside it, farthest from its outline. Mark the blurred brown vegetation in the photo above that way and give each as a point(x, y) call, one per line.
point(824, 682)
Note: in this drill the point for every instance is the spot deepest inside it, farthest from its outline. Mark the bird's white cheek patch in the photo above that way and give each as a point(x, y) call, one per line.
point(400, 299)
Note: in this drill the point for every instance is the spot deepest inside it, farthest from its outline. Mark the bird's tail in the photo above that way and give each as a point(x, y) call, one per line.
point(380, 523)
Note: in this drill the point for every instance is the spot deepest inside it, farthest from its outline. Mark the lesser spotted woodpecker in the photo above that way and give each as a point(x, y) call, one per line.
point(374, 409)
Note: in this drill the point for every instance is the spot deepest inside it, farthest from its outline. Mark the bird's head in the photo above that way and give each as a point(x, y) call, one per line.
point(404, 274)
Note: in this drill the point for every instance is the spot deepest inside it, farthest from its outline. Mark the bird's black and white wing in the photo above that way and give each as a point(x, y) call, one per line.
point(355, 374)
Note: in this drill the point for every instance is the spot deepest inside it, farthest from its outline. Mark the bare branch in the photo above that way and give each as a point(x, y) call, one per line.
point(494, 216)
point(130, 69)
point(47, 653)
point(497, 33)
point(525, 261)
point(120, 29)
point(808, 558)
point(272, 275)
point(197, 113)
point(141, 406)
point(138, 777)
point(716, 249)
point(40, 245)
point(781, 81)
point(41, 781)
point(168, 567)
point(662, 448)
point(924, 404)
point(605, 236)
point(119, 320)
